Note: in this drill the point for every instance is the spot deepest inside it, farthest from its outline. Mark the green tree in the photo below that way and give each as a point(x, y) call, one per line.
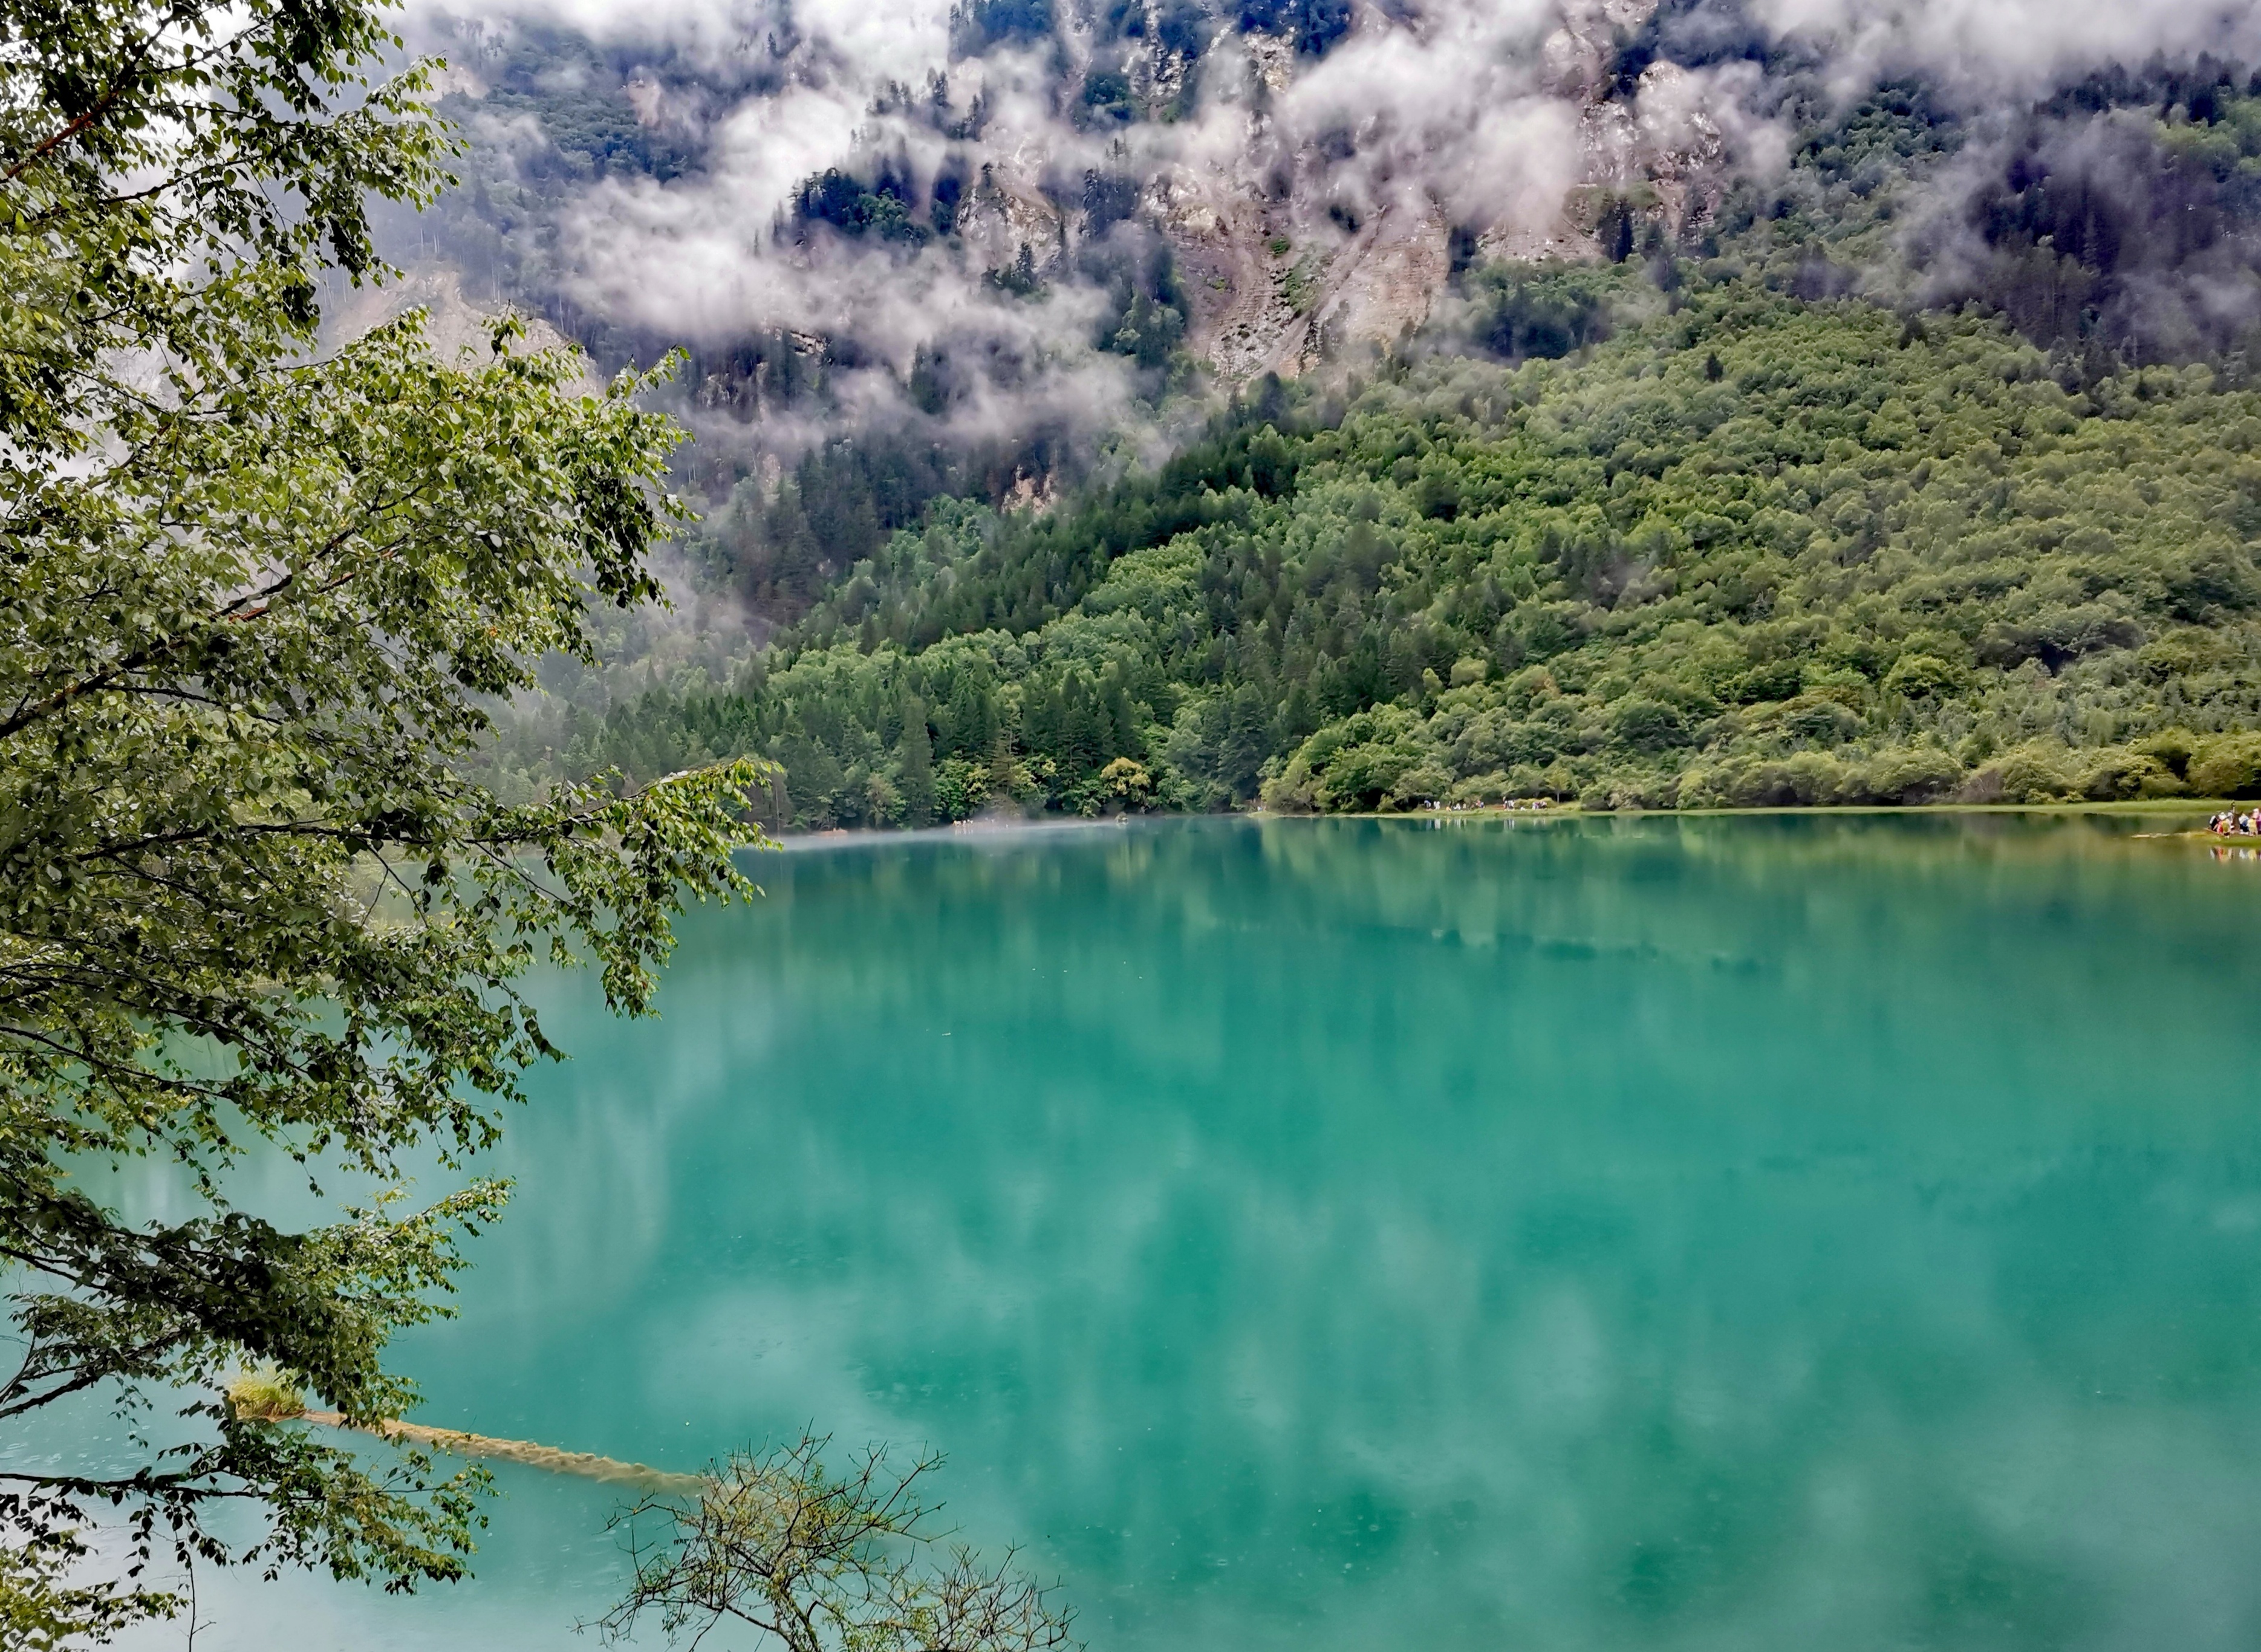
point(916, 760)
point(253, 598)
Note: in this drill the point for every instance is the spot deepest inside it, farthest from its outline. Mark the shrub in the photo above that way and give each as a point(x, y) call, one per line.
point(1815, 776)
point(1641, 724)
point(1819, 719)
point(2121, 774)
point(2227, 765)
point(266, 1396)
point(1126, 781)
point(1808, 778)
point(2033, 774)
point(1914, 774)
point(1922, 676)
point(1423, 783)
point(1771, 679)
point(2172, 747)
point(1643, 791)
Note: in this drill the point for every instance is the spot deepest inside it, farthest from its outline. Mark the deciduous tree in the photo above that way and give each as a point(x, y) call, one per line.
point(254, 597)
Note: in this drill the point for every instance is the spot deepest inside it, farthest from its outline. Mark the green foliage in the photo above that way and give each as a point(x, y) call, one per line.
point(1757, 551)
point(564, 83)
point(254, 600)
point(1301, 286)
point(1019, 278)
point(819, 1562)
point(2227, 767)
point(1145, 317)
point(1107, 96)
point(1537, 313)
point(844, 201)
point(267, 1395)
point(975, 25)
point(44, 1608)
point(2109, 223)
point(785, 551)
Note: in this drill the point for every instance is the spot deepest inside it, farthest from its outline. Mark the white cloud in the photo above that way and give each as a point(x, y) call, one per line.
point(2011, 45)
point(1462, 102)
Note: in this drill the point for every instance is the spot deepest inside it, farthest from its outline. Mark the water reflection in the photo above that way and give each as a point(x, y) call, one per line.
point(1675, 1233)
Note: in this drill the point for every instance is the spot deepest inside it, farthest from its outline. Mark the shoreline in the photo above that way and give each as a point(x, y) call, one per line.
point(994, 826)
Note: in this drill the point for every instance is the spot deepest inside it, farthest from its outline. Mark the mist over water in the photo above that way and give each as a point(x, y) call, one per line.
point(1756, 1233)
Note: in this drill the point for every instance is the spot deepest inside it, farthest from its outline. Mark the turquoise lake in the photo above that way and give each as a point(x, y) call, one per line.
point(1775, 1233)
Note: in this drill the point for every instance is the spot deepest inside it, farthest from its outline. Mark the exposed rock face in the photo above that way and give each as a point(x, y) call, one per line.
point(1235, 284)
point(455, 328)
point(1316, 168)
point(1281, 271)
point(1005, 212)
point(1577, 55)
point(1384, 283)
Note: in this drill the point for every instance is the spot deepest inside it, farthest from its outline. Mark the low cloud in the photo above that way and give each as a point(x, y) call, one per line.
point(1482, 115)
point(2014, 47)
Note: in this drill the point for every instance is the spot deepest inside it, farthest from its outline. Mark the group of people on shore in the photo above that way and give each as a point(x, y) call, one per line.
point(1511, 804)
point(2230, 823)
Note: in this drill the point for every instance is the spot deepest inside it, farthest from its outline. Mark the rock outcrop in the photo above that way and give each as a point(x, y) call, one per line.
point(1280, 271)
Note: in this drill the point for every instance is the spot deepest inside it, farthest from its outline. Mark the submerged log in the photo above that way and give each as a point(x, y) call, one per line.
point(586, 1464)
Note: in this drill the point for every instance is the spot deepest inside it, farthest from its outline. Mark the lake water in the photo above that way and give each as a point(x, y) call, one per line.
point(1741, 1233)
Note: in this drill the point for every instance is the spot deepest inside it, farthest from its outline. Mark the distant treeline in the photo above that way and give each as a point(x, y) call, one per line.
point(1755, 550)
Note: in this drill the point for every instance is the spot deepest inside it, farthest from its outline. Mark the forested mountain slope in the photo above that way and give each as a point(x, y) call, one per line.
point(993, 249)
point(1755, 550)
